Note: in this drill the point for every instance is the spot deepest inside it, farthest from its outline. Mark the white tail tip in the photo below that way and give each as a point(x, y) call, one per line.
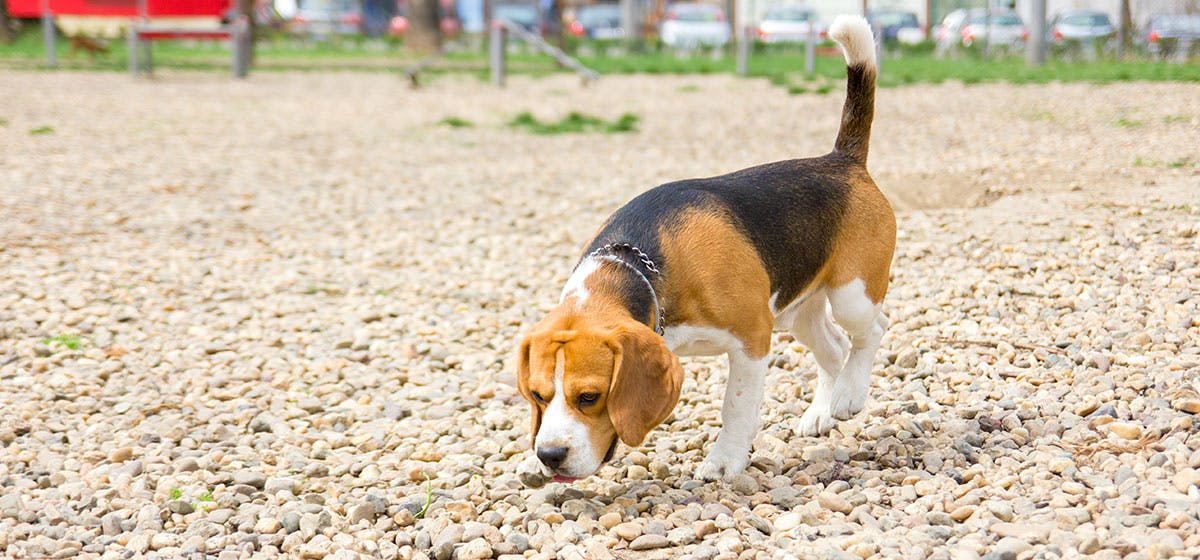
point(853, 33)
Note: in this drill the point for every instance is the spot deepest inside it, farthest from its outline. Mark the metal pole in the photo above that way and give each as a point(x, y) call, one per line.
point(810, 47)
point(496, 51)
point(48, 37)
point(987, 31)
point(627, 21)
point(743, 49)
point(1035, 50)
point(132, 40)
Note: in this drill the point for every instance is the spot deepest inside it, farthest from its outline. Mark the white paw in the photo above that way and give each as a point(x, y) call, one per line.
point(722, 464)
point(817, 420)
point(848, 402)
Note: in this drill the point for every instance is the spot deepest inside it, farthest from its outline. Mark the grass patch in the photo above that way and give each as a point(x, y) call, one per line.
point(690, 88)
point(456, 122)
point(71, 341)
point(1169, 119)
point(574, 123)
point(41, 130)
point(1125, 122)
point(3, 121)
point(1181, 162)
point(176, 493)
point(207, 496)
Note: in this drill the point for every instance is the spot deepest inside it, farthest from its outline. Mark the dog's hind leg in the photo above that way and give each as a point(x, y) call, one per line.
point(865, 322)
point(814, 329)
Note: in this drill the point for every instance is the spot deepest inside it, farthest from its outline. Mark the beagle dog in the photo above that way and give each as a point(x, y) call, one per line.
point(713, 266)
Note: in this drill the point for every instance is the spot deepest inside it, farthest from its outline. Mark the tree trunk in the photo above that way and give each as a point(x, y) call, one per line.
point(6, 35)
point(424, 31)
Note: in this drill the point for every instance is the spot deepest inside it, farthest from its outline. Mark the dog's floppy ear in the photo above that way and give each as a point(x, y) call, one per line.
point(645, 384)
point(523, 387)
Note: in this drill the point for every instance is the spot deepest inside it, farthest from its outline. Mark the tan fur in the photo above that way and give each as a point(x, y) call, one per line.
point(717, 280)
point(866, 241)
point(624, 361)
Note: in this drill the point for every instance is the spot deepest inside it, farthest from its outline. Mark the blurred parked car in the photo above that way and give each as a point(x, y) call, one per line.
point(1168, 34)
point(1081, 26)
point(897, 25)
point(690, 25)
point(598, 21)
point(322, 18)
point(789, 24)
point(966, 27)
point(524, 15)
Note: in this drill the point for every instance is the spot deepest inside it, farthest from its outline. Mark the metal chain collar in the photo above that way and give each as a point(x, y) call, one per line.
point(661, 320)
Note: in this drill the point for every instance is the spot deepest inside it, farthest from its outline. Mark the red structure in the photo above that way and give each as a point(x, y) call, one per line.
point(126, 8)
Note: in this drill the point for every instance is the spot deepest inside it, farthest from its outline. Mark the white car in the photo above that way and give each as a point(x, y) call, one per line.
point(691, 25)
point(967, 27)
point(790, 24)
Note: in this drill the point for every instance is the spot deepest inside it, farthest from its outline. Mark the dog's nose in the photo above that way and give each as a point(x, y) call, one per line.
point(552, 457)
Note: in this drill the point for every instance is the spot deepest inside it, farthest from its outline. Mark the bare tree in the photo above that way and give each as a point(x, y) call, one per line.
point(424, 32)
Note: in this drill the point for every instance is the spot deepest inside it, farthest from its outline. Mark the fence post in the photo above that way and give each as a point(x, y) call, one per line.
point(241, 38)
point(1035, 49)
point(48, 37)
point(496, 51)
point(810, 48)
point(877, 30)
point(743, 50)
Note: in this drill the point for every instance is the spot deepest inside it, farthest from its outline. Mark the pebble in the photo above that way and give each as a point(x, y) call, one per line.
point(628, 531)
point(834, 502)
point(648, 542)
point(1125, 430)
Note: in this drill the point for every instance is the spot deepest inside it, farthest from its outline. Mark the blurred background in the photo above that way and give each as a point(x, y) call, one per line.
point(924, 40)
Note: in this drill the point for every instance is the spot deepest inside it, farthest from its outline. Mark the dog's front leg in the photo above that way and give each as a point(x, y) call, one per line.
point(739, 418)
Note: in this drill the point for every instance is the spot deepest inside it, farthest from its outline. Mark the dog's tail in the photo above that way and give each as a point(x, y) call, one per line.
point(854, 35)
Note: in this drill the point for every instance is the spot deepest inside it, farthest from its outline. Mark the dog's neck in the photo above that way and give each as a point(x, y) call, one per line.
point(613, 286)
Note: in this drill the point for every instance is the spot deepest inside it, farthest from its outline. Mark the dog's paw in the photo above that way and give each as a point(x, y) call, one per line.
point(848, 403)
point(817, 421)
point(722, 465)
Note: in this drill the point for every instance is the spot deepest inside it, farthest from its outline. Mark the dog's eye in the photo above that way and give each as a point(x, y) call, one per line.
point(538, 397)
point(588, 399)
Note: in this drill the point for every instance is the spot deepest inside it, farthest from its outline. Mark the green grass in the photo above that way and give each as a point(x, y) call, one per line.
point(574, 123)
point(40, 130)
point(1126, 122)
point(428, 498)
point(456, 122)
point(71, 341)
point(176, 493)
point(3, 121)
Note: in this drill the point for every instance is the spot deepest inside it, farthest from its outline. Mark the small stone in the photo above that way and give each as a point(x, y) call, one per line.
point(1002, 510)
point(250, 478)
point(649, 542)
point(788, 521)
point(609, 520)
point(744, 484)
point(681, 536)
point(962, 513)
point(834, 502)
point(276, 485)
point(186, 465)
point(628, 531)
point(290, 522)
point(907, 358)
point(1185, 479)
point(637, 472)
point(163, 540)
point(267, 526)
point(360, 512)
point(1125, 430)
point(121, 454)
point(316, 548)
point(759, 523)
point(181, 507)
point(939, 518)
point(1191, 406)
point(476, 549)
point(110, 524)
point(1028, 532)
point(1012, 546)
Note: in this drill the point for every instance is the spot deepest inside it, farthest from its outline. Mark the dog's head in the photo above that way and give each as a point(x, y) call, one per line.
point(591, 385)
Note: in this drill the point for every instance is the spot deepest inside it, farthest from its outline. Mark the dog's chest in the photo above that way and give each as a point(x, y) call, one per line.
point(688, 340)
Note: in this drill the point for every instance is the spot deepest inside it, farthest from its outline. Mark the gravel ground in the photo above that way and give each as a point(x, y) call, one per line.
point(296, 308)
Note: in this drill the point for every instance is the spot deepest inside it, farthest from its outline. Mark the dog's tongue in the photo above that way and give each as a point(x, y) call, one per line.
point(566, 479)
